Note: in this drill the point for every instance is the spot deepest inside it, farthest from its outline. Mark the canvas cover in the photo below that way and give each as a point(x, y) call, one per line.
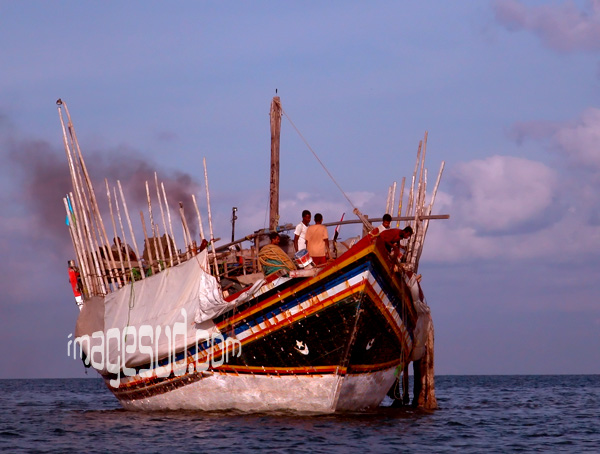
point(178, 301)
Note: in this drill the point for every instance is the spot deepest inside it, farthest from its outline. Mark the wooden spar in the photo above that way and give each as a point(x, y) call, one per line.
point(199, 217)
point(412, 186)
point(162, 213)
point(124, 242)
point(428, 212)
point(391, 209)
point(135, 247)
point(212, 237)
point(147, 243)
point(275, 116)
point(154, 239)
point(170, 225)
point(365, 221)
point(93, 244)
point(80, 215)
point(422, 176)
point(78, 248)
point(88, 264)
point(388, 200)
point(160, 252)
point(399, 212)
point(186, 233)
point(416, 240)
point(85, 274)
point(112, 217)
point(419, 202)
point(333, 224)
point(93, 201)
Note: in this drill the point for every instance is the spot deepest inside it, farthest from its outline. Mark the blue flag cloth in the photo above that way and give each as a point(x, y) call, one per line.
point(71, 210)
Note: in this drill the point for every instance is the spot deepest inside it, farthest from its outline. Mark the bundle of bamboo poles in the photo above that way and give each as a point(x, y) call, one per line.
point(416, 209)
point(105, 267)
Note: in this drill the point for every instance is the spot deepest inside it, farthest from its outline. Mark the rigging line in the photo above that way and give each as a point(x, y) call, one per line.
point(315, 155)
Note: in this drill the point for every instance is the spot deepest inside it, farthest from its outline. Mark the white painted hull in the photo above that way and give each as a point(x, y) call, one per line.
point(258, 393)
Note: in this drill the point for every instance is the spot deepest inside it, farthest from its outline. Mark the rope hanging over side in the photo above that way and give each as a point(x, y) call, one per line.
point(320, 162)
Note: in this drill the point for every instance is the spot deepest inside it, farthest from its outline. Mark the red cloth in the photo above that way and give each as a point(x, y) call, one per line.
point(319, 260)
point(73, 278)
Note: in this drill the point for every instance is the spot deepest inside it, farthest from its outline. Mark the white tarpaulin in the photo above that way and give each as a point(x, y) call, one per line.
point(157, 315)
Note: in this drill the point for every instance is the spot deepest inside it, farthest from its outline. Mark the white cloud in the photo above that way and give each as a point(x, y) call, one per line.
point(579, 139)
point(563, 28)
point(500, 192)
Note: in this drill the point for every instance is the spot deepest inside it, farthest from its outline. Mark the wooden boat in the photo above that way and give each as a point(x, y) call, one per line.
point(183, 333)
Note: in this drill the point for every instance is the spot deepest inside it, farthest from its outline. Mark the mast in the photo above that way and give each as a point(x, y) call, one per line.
point(275, 115)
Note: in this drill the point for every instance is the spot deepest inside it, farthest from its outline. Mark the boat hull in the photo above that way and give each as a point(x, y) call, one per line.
point(333, 342)
point(318, 393)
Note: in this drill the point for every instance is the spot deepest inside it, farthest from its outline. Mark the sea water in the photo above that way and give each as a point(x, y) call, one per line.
point(477, 414)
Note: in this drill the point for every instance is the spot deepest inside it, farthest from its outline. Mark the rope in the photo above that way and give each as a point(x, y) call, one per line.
point(272, 253)
point(131, 305)
point(317, 158)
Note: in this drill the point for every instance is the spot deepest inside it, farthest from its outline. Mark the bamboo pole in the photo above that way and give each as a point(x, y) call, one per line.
point(162, 213)
point(154, 240)
point(186, 233)
point(137, 252)
point(93, 204)
point(80, 213)
point(112, 217)
point(79, 250)
point(124, 242)
point(419, 201)
point(412, 186)
point(87, 256)
point(147, 243)
point(417, 239)
point(170, 224)
point(388, 200)
point(212, 237)
point(399, 212)
point(428, 212)
point(160, 252)
point(199, 217)
point(391, 209)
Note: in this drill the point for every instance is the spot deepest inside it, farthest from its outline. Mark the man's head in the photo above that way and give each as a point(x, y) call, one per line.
point(306, 217)
point(318, 218)
point(407, 231)
point(274, 237)
point(386, 221)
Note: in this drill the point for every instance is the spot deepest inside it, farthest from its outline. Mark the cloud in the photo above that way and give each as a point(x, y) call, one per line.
point(580, 140)
point(577, 140)
point(501, 193)
point(563, 28)
point(513, 209)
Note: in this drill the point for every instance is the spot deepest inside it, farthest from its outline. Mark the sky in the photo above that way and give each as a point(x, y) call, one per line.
point(508, 92)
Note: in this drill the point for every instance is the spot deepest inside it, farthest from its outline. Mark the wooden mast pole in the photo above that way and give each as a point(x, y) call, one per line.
point(210, 226)
point(275, 116)
point(162, 213)
point(176, 252)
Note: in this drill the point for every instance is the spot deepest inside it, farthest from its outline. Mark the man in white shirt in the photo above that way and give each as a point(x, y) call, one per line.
point(385, 224)
point(300, 232)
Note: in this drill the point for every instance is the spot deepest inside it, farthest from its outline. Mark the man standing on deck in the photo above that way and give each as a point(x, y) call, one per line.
point(300, 232)
point(385, 224)
point(317, 241)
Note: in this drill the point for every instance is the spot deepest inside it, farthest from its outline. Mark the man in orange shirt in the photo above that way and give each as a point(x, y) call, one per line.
point(317, 241)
